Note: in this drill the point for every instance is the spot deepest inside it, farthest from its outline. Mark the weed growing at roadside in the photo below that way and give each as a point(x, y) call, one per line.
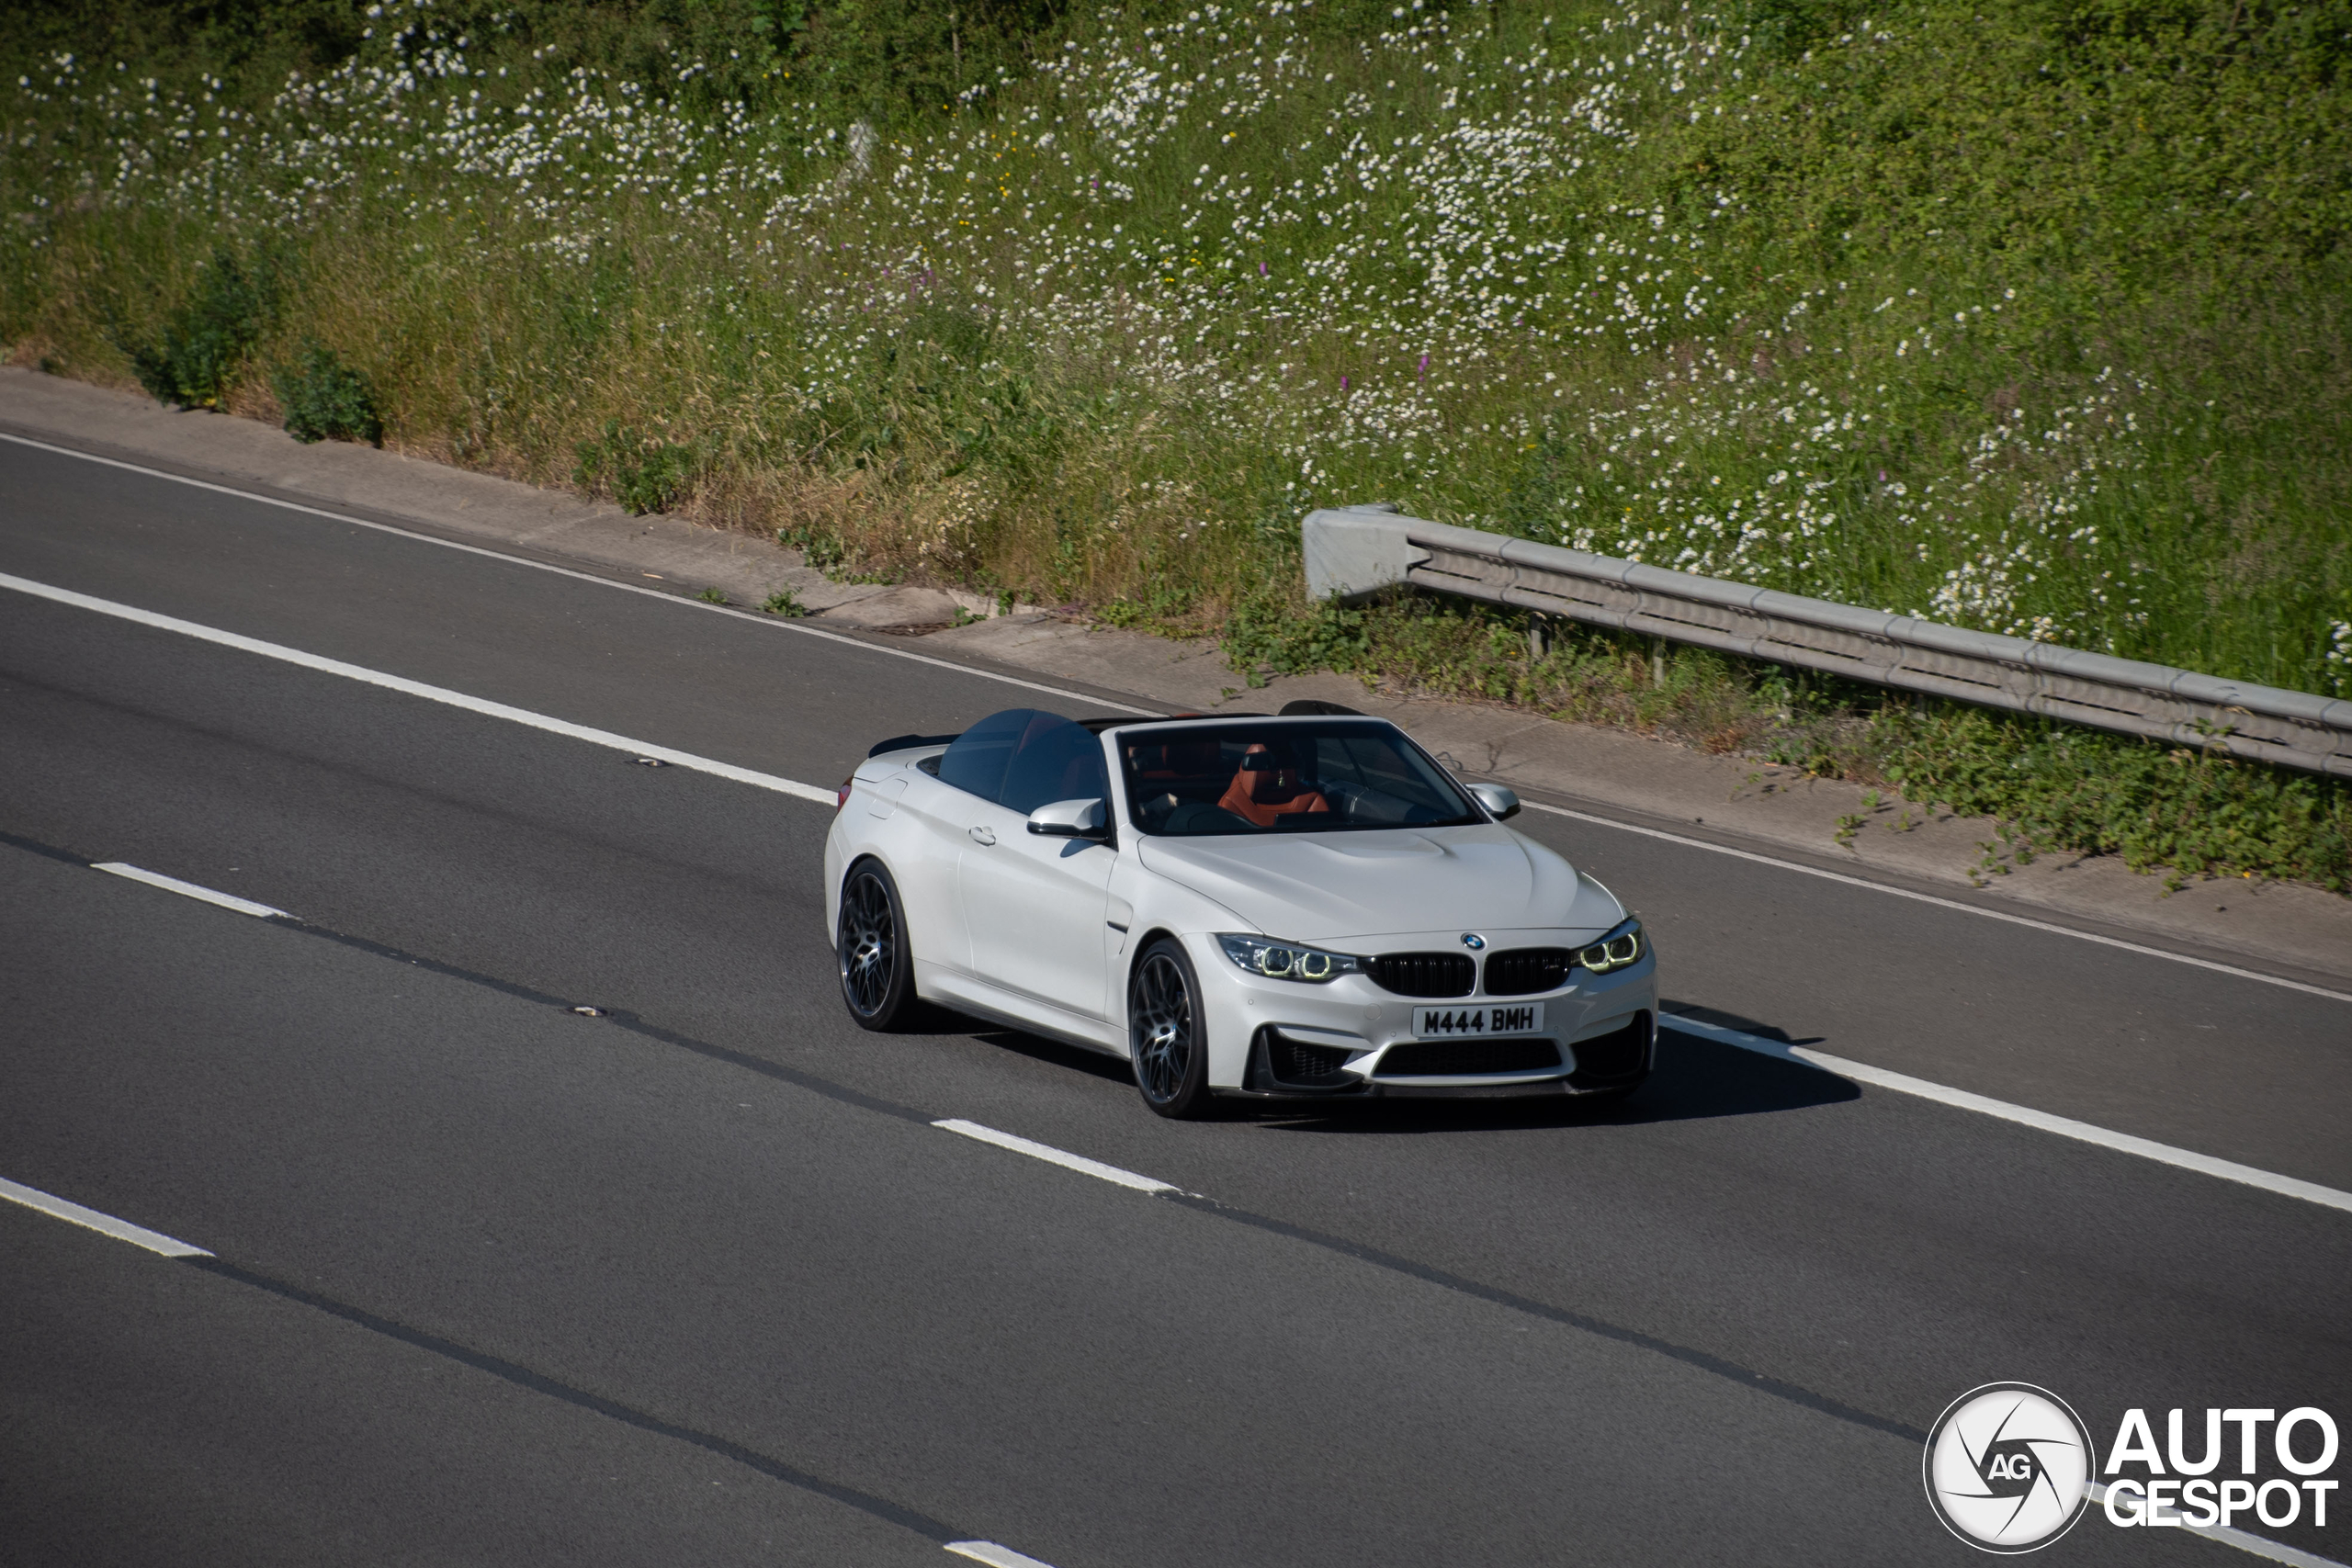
point(784, 601)
point(712, 596)
point(326, 399)
point(818, 547)
point(640, 472)
point(2006, 313)
point(205, 339)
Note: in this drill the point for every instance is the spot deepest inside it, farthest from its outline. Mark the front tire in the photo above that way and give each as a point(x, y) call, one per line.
point(1165, 1034)
point(877, 970)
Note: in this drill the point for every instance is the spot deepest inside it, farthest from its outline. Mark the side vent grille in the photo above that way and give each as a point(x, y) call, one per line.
point(1614, 1057)
point(1298, 1065)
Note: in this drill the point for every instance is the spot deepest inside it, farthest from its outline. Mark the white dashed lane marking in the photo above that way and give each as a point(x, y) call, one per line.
point(2145, 1148)
point(73, 1213)
point(1000, 678)
point(1052, 1156)
point(992, 1554)
point(191, 890)
point(162, 1246)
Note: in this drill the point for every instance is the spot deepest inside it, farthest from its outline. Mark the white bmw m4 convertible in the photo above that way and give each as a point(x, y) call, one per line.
point(1299, 906)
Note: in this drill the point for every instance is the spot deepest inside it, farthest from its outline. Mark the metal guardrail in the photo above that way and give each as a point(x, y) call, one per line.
point(1357, 552)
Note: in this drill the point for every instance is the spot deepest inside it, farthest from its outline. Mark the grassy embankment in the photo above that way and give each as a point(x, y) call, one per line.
point(2029, 315)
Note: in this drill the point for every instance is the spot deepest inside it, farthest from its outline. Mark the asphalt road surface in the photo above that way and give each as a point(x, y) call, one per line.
point(694, 1279)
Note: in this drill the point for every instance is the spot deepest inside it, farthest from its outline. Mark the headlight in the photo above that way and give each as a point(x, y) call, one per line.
point(1620, 947)
point(1286, 961)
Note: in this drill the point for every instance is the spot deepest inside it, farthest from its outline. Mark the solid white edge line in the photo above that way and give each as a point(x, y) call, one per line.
point(781, 622)
point(1943, 903)
point(73, 1213)
point(2063, 1126)
point(1053, 1155)
point(996, 1556)
point(189, 889)
point(2229, 1535)
point(1080, 696)
point(419, 688)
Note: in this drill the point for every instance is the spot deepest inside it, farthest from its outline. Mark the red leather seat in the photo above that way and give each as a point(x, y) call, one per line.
point(1261, 796)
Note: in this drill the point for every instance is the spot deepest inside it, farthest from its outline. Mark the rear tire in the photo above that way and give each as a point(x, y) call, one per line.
point(1165, 1034)
point(877, 970)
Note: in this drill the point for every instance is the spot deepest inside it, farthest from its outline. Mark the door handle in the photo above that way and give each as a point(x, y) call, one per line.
point(982, 833)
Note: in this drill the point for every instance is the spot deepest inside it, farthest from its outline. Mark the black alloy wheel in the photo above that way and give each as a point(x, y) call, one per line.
point(878, 971)
point(1171, 1053)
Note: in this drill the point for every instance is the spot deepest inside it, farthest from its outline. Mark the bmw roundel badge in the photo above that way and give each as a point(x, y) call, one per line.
point(1473, 941)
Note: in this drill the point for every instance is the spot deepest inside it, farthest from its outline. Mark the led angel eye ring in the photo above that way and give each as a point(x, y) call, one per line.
point(1315, 966)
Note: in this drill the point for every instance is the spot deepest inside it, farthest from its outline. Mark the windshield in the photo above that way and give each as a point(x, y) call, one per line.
point(1284, 777)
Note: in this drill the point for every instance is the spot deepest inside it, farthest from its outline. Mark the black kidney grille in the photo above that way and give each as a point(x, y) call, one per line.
point(1424, 974)
point(1523, 971)
point(1461, 1058)
point(1308, 1066)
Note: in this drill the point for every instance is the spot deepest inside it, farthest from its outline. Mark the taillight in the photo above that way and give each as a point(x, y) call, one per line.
point(841, 796)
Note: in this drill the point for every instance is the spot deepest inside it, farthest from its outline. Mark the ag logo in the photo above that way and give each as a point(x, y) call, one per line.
point(2009, 1467)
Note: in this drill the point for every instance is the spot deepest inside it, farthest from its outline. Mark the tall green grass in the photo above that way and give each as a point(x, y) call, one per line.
point(2029, 315)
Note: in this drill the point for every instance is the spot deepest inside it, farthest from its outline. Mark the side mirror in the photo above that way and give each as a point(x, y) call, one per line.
point(1071, 819)
point(1501, 804)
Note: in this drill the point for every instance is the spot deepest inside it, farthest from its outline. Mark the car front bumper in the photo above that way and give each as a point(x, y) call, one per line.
point(1601, 1028)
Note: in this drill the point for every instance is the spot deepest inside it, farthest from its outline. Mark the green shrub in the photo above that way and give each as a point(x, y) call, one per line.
point(325, 399)
point(2054, 787)
point(818, 547)
point(1269, 637)
point(208, 336)
point(640, 472)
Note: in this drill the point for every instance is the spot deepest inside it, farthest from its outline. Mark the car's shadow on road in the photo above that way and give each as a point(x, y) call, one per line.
point(1038, 1048)
point(1693, 1079)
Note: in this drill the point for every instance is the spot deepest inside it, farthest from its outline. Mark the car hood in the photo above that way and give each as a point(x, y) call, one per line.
point(1337, 887)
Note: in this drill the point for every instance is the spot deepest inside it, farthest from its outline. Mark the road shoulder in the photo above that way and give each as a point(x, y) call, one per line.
point(1734, 801)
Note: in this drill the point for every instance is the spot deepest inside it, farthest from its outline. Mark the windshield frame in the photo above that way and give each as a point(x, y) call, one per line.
point(1222, 727)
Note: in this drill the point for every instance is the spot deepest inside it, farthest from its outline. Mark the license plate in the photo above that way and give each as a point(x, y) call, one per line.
point(1455, 1023)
